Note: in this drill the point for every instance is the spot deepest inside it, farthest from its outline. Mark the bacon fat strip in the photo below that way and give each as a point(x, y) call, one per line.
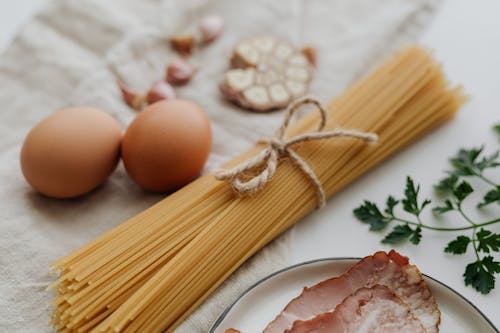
point(368, 310)
point(392, 270)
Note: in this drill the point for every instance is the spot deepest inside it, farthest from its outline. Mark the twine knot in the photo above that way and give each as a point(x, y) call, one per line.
point(253, 174)
point(276, 144)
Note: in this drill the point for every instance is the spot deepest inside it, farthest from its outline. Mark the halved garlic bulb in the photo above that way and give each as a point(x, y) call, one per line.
point(266, 74)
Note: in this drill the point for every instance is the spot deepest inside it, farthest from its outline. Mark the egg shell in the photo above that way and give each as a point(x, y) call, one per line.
point(167, 145)
point(71, 152)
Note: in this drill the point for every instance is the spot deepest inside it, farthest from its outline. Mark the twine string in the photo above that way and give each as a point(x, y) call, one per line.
point(254, 173)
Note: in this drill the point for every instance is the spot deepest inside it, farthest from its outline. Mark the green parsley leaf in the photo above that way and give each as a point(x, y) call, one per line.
point(369, 213)
point(489, 162)
point(410, 202)
point(416, 236)
point(462, 191)
point(448, 206)
point(390, 204)
point(463, 162)
point(398, 234)
point(491, 197)
point(447, 184)
point(425, 203)
point(488, 241)
point(491, 265)
point(480, 278)
point(458, 246)
point(496, 128)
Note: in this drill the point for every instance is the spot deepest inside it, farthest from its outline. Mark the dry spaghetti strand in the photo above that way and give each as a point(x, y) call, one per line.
point(151, 272)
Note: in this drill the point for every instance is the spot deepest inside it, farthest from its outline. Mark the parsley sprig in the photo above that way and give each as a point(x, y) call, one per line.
point(484, 243)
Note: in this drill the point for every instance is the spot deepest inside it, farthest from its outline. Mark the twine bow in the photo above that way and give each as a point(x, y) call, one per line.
point(262, 166)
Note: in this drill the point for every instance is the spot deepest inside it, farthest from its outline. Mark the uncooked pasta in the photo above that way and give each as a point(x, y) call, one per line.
point(149, 273)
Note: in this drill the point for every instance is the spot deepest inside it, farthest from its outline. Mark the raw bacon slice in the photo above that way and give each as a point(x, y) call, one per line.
point(368, 310)
point(392, 270)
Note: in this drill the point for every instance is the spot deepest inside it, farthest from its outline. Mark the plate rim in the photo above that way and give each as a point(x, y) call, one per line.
point(224, 313)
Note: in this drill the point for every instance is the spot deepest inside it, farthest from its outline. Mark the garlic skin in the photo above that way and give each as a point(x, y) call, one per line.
point(183, 44)
point(159, 90)
point(211, 27)
point(179, 72)
point(133, 99)
point(311, 53)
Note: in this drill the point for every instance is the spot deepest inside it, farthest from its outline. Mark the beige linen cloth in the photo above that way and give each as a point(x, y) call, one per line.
point(72, 54)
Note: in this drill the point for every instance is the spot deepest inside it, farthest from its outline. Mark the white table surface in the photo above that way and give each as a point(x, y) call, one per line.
point(466, 38)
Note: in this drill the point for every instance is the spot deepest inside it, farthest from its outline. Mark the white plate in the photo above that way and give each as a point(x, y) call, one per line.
point(257, 306)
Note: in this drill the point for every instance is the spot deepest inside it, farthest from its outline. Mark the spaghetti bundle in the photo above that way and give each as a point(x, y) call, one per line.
point(151, 272)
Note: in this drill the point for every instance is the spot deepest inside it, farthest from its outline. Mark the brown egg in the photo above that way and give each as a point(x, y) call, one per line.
point(71, 152)
point(167, 145)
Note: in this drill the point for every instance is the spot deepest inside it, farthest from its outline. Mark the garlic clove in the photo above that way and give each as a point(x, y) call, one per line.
point(278, 93)
point(298, 60)
point(296, 88)
point(245, 55)
point(298, 74)
point(183, 44)
point(257, 96)
point(283, 51)
point(211, 27)
point(264, 43)
point(159, 91)
point(239, 79)
point(179, 72)
point(133, 99)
